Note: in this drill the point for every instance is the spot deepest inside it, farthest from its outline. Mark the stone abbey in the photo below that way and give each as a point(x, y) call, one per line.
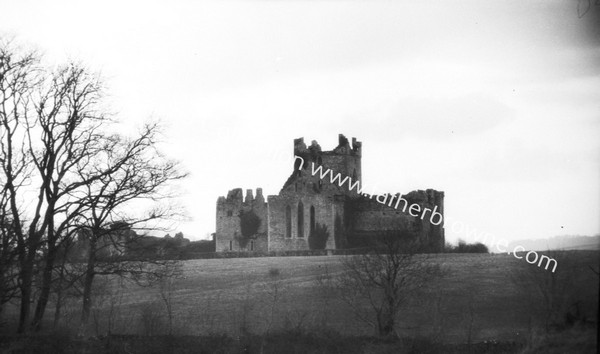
point(311, 212)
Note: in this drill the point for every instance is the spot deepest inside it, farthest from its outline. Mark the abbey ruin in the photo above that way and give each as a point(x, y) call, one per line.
point(311, 212)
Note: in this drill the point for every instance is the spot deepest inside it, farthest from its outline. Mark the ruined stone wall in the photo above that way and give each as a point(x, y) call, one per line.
point(371, 218)
point(279, 239)
point(345, 213)
point(327, 199)
point(368, 215)
point(229, 234)
point(344, 159)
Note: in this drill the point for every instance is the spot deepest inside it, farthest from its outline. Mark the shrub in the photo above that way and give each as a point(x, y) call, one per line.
point(317, 239)
point(152, 319)
point(249, 223)
point(274, 272)
point(464, 247)
point(576, 340)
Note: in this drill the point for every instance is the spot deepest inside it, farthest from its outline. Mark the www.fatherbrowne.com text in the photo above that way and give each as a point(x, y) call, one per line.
point(435, 217)
point(414, 210)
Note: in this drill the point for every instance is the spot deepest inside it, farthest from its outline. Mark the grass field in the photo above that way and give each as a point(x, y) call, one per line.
point(255, 295)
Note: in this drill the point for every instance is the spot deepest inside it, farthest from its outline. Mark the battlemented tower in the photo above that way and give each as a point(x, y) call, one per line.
point(344, 159)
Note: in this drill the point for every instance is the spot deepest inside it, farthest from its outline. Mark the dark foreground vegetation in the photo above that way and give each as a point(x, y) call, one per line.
point(292, 341)
point(463, 247)
point(283, 342)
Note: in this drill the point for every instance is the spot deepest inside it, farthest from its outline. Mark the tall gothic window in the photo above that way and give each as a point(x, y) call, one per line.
point(300, 219)
point(288, 221)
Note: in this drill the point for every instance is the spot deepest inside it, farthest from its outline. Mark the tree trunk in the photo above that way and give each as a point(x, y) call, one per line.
point(26, 293)
point(386, 322)
point(87, 286)
point(386, 326)
point(25, 300)
point(59, 295)
point(45, 289)
point(57, 308)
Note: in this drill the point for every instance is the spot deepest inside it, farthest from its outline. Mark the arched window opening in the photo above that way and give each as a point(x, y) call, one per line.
point(300, 219)
point(298, 163)
point(288, 221)
point(312, 219)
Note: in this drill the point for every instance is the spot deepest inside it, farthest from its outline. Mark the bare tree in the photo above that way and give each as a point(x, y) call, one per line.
point(8, 270)
point(64, 135)
point(273, 290)
point(65, 278)
point(469, 316)
point(54, 144)
point(385, 279)
point(140, 173)
point(549, 294)
point(167, 288)
point(19, 74)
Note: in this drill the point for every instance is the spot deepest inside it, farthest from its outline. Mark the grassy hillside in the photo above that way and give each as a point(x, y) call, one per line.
point(478, 298)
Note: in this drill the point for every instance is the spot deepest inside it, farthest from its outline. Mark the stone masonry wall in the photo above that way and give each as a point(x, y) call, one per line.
point(344, 159)
point(370, 217)
point(228, 234)
point(278, 240)
point(345, 213)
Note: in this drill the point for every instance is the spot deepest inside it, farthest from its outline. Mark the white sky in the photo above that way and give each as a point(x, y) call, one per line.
point(497, 103)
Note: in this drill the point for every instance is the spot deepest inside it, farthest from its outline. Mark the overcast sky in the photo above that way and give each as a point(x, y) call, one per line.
point(496, 103)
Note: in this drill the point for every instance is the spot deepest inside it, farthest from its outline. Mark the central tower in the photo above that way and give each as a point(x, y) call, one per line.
point(344, 158)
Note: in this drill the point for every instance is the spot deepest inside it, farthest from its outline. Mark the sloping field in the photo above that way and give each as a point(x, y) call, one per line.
point(478, 298)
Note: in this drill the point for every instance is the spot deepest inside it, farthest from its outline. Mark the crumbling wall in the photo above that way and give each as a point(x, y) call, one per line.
point(345, 213)
point(279, 239)
point(229, 211)
point(345, 159)
point(371, 218)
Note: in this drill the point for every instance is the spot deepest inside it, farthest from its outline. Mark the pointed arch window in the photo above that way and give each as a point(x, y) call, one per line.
point(288, 221)
point(300, 219)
